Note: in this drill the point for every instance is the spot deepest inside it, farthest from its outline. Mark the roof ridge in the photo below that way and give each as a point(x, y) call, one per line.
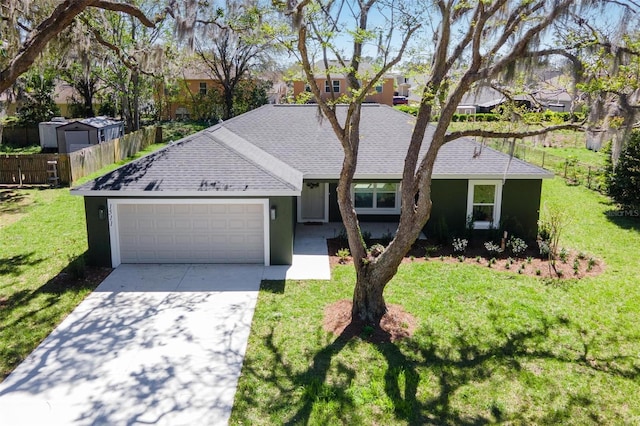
point(270, 164)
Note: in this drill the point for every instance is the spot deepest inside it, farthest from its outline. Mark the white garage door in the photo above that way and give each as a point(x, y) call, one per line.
point(191, 233)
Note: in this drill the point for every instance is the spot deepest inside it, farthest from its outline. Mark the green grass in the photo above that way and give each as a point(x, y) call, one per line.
point(580, 154)
point(8, 149)
point(174, 130)
point(490, 346)
point(42, 232)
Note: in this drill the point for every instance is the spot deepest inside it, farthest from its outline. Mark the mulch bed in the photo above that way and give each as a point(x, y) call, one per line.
point(396, 324)
point(528, 263)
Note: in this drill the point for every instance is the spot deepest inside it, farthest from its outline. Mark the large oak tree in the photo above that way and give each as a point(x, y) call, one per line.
point(471, 43)
point(27, 27)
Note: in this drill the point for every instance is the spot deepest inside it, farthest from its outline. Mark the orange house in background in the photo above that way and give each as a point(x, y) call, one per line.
point(181, 100)
point(381, 93)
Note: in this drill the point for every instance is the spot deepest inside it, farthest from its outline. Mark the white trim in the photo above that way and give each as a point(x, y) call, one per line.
point(497, 202)
point(376, 210)
point(112, 205)
point(325, 219)
point(191, 194)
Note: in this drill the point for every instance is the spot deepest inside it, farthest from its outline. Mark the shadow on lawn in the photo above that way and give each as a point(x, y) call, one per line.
point(469, 361)
point(13, 265)
point(623, 217)
point(18, 307)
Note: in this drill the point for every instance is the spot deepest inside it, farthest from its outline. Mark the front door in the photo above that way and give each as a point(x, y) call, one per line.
point(312, 206)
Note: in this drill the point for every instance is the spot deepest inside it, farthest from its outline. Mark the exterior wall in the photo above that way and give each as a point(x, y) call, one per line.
point(385, 97)
point(99, 253)
point(519, 212)
point(281, 231)
point(521, 207)
point(188, 92)
point(449, 206)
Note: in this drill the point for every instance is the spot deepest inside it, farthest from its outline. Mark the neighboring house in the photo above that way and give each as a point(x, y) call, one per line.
point(86, 132)
point(235, 191)
point(178, 102)
point(487, 99)
point(337, 86)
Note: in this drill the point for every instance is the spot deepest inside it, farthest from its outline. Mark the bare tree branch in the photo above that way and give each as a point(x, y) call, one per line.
point(507, 135)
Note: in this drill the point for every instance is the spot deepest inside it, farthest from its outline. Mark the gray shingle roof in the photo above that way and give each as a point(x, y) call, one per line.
point(296, 135)
point(200, 165)
point(269, 150)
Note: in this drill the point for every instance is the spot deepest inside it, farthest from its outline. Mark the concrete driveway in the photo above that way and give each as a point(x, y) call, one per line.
point(154, 344)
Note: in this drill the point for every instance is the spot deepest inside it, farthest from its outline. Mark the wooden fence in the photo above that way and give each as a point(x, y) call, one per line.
point(33, 169)
point(20, 136)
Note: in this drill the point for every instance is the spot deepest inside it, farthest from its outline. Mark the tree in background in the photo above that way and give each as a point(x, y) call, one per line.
point(27, 27)
point(606, 58)
point(234, 47)
point(35, 95)
point(624, 178)
point(474, 43)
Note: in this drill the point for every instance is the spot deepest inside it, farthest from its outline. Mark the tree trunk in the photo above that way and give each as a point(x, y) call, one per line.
point(368, 299)
point(228, 103)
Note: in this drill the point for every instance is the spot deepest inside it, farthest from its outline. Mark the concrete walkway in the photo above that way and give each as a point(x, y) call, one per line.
point(154, 344)
point(310, 256)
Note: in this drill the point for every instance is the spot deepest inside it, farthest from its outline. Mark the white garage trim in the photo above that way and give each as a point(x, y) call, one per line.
point(112, 205)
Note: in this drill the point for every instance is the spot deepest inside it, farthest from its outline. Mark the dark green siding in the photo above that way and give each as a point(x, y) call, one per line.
point(519, 215)
point(99, 253)
point(281, 230)
point(449, 207)
point(521, 207)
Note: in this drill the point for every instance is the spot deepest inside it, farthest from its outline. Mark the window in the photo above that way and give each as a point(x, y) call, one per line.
point(376, 198)
point(336, 86)
point(483, 203)
point(379, 88)
point(307, 88)
point(203, 88)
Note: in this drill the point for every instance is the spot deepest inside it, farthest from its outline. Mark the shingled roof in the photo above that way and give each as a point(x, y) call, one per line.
point(268, 151)
point(300, 137)
point(200, 165)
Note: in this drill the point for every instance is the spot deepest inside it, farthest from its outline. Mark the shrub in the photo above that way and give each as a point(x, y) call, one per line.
point(516, 245)
point(460, 245)
point(492, 248)
point(386, 238)
point(550, 226)
point(563, 255)
point(366, 238)
point(624, 179)
point(431, 250)
point(344, 254)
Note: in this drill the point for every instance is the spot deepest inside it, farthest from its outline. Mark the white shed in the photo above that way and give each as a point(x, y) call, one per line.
point(48, 134)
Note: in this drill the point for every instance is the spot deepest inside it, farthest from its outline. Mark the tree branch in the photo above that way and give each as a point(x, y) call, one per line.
point(506, 135)
point(61, 17)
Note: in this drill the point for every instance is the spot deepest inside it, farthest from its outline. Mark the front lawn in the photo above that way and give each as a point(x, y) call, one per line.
point(490, 346)
point(42, 274)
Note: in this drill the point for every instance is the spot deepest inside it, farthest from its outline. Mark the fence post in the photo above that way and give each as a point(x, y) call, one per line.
point(589, 177)
point(543, 153)
point(19, 176)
